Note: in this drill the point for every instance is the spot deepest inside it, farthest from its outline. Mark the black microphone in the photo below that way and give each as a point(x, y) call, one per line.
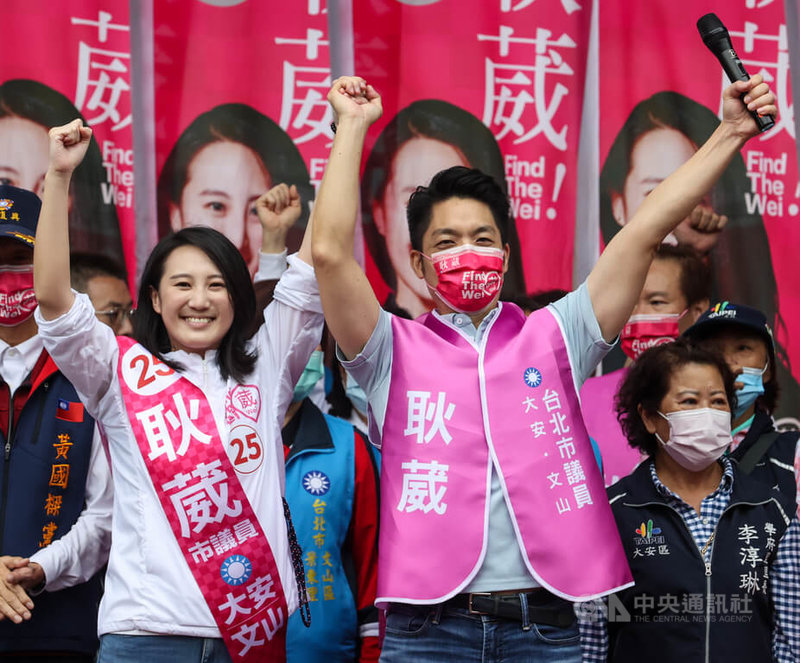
point(716, 37)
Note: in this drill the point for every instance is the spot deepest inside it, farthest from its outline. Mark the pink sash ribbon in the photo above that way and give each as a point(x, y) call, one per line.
point(213, 522)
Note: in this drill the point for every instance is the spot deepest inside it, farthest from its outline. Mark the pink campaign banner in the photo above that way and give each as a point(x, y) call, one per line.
point(460, 79)
point(62, 61)
point(655, 72)
point(240, 105)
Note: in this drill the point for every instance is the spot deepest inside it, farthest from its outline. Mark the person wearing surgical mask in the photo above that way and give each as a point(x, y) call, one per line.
point(675, 293)
point(55, 533)
point(743, 337)
point(357, 397)
point(347, 398)
point(701, 537)
point(332, 491)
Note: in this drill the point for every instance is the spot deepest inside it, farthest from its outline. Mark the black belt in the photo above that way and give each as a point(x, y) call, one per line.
point(542, 607)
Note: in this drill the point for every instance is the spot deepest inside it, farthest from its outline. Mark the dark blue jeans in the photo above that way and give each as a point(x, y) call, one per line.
point(428, 634)
point(116, 648)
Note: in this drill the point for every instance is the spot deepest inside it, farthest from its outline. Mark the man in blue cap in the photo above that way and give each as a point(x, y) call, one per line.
point(743, 337)
point(55, 483)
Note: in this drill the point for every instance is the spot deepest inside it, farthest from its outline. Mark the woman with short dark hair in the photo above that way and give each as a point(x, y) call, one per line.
point(712, 551)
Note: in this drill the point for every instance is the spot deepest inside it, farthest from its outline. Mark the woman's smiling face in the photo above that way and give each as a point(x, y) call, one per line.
point(193, 301)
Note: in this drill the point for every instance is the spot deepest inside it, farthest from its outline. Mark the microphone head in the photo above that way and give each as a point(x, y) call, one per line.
point(712, 30)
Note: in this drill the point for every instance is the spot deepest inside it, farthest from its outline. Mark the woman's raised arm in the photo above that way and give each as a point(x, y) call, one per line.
point(51, 280)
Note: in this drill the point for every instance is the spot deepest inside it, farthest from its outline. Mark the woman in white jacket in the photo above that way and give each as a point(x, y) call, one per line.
point(200, 565)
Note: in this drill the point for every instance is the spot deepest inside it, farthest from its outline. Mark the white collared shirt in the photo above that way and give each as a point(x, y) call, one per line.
point(17, 361)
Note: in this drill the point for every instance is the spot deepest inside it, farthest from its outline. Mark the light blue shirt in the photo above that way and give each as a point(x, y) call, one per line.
point(503, 567)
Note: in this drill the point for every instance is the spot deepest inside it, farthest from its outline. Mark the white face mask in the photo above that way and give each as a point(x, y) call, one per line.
point(697, 437)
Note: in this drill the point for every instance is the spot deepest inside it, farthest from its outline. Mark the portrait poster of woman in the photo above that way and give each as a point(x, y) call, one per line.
point(219, 166)
point(28, 110)
point(652, 118)
point(660, 133)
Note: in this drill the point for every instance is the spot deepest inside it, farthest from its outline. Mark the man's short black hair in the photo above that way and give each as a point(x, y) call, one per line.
point(695, 279)
point(83, 267)
point(456, 182)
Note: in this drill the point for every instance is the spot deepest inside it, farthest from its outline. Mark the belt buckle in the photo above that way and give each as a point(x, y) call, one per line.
point(472, 610)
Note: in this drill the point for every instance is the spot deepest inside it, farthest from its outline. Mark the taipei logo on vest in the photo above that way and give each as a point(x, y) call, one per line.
point(236, 570)
point(316, 482)
point(532, 377)
point(648, 533)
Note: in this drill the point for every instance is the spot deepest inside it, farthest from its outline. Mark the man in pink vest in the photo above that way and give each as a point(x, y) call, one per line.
point(493, 511)
point(676, 292)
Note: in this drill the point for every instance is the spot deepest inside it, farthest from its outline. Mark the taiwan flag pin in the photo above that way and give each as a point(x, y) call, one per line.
point(69, 411)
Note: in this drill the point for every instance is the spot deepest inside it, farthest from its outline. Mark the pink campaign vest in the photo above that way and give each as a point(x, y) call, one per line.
point(452, 407)
point(600, 417)
point(205, 505)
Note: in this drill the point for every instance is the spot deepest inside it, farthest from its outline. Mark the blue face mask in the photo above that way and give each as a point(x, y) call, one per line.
point(312, 374)
point(753, 386)
point(356, 395)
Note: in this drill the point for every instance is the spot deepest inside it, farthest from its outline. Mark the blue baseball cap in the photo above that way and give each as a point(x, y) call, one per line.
point(19, 214)
point(723, 315)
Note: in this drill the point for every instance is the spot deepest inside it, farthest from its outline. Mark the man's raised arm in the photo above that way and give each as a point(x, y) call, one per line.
point(351, 309)
point(618, 277)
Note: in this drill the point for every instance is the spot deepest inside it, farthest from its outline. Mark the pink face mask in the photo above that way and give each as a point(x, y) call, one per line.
point(645, 331)
point(470, 277)
point(17, 300)
point(697, 437)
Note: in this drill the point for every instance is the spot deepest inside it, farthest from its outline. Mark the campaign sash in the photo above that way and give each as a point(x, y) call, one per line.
point(205, 505)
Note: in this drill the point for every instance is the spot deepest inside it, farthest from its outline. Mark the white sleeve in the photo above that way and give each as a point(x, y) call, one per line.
point(81, 552)
point(291, 331)
point(271, 266)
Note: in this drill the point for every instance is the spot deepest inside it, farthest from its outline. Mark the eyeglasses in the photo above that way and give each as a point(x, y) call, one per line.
point(117, 314)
